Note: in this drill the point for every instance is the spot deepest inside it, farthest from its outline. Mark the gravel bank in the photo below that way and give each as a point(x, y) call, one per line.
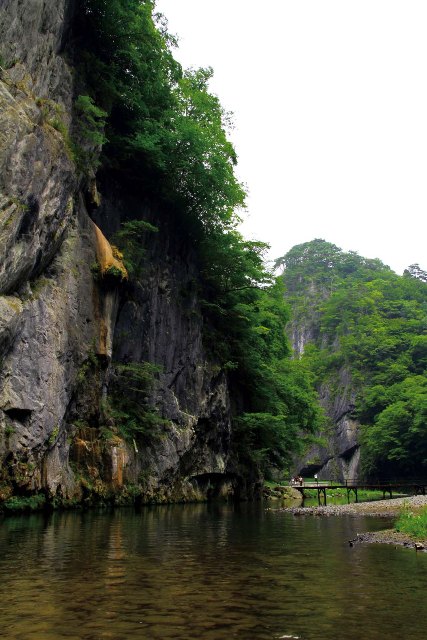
point(379, 508)
point(389, 536)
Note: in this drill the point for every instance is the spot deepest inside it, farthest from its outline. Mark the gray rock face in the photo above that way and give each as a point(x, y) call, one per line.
point(58, 325)
point(300, 335)
point(37, 213)
point(338, 455)
point(61, 329)
point(37, 177)
point(162, 324)
point(32, 36)
point(10, 317)
point(36, 191)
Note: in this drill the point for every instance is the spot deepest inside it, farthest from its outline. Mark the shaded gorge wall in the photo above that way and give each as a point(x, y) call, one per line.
point(76, 336)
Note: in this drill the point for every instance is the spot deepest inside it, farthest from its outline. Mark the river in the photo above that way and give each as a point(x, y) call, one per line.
point(209, 572)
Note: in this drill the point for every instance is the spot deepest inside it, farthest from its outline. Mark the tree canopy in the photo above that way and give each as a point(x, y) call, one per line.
point(164, 130)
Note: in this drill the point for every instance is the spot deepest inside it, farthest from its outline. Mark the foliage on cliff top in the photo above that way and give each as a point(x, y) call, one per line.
point(165, 130)
point(373, 322)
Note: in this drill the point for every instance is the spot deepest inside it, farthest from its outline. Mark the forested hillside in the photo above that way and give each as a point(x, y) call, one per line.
point(361, 329)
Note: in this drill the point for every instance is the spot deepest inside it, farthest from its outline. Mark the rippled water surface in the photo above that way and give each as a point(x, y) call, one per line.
point(208, 572)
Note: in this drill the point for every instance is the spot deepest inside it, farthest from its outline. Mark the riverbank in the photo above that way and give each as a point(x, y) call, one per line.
point(390, 536)
point(379, 508)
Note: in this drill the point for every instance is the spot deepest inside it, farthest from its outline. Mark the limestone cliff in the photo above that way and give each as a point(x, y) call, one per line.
point(336, 455)
point(361, 325)
point(310, 273)
point(64, 325)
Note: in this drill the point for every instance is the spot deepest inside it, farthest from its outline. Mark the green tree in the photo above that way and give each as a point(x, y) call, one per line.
point(129, 239)
point(165, 130)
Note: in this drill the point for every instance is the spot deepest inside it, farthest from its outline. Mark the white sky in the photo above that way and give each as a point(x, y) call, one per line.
point(330, 107)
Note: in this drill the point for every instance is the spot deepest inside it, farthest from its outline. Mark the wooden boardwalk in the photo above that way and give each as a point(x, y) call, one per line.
point(387, 487)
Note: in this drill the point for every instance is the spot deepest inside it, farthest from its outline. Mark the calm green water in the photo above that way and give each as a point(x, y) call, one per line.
point(208, 572)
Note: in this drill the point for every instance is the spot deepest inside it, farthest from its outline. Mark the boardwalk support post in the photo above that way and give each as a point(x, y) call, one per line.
point(319, 491)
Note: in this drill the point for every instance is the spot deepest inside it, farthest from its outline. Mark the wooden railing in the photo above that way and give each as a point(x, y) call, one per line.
point(416, 486)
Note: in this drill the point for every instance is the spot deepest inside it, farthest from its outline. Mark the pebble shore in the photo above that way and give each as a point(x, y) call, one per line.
point(379, 508)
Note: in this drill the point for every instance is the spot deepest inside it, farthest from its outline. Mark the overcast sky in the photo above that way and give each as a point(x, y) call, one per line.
point(330, 110)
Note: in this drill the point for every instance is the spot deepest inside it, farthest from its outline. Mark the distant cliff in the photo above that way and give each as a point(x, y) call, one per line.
point(360, 330)
point(310, 276)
